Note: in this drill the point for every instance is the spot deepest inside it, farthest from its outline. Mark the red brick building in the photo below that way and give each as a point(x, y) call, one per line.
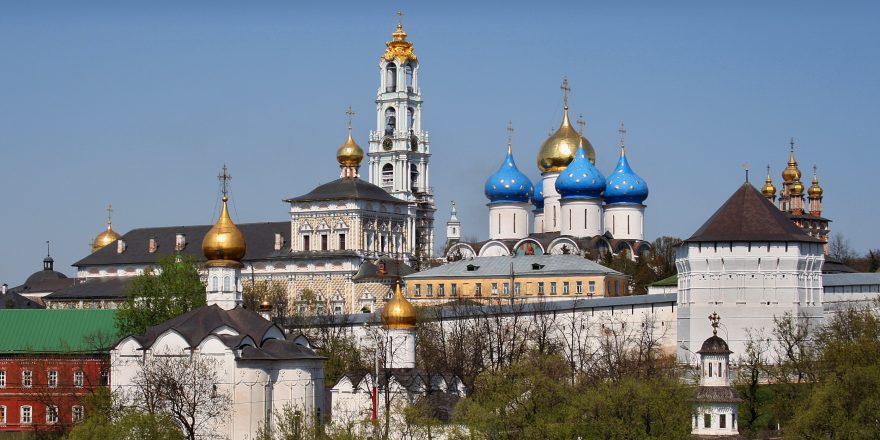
point(49, 361)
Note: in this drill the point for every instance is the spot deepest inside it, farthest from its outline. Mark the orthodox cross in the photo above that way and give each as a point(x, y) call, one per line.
point(509, 135)
point(622, 132)
point(581, 123)
point(109, 215)
point(399, 18)
point(565, 89)
point(814, 170)
point(791, 142)
point(768, 170)
point(47, 249)
point(224, 181)
point(714, 319)
point(350, 116)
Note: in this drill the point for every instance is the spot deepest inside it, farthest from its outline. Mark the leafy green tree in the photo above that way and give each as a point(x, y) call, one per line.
point(169, 289)
point(104, 421)
point(275, 292)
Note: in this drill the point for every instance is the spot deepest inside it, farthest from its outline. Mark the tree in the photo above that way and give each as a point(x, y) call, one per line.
point(840, 249)
point(254, 292)
point(165, 291)
point(183, 388)
point(104, 421)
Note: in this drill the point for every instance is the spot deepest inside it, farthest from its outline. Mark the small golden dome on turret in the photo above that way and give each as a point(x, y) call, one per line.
point(224, 243)
point(108, 235)
point(398, 47)
point(791, 172)
point(350, 153)
point(398, 313)
point(768, 189)
point(815, 191)
point(797, 188)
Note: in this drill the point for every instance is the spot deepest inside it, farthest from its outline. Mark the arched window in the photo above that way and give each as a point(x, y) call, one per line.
point(226, 287)
point(390, 120)
point(214, 285)
point(387, 176)
point(414, 177)
point(391, 77)
point(409, 77)
point(410, 118)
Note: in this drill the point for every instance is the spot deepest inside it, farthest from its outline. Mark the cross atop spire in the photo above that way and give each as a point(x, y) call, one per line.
point(745, 166)
point(47, 249)
point(399, 19)
point(768, 170)
point(581, 123)
point(622, 131)
point(224, 178)
point(814, 170)
point(509, 136)
point(350, 114)
point(715, 320)
point(565, 89)
point(109, 215)
point(791, 142)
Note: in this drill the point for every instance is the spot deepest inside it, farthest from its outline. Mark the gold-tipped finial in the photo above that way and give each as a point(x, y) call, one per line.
point(398, 313)
point(791, 173)
point(350, 154)
point(565, 89)
point(560, 148)
point(815, 191)
point(108, 235)
point(398, 48)
point(509, 137)
point(715, 320)
point(224, 244)
point(399, 19)
point(768, 189)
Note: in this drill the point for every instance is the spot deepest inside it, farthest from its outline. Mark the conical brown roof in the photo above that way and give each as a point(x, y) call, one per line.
point(749, 216)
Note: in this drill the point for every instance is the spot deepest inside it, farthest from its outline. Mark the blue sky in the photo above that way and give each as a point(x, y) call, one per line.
point(141, 103)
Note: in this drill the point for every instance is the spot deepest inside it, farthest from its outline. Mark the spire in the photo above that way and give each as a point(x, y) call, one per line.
point(509, 137)
point(453, 217)
point(224, 179)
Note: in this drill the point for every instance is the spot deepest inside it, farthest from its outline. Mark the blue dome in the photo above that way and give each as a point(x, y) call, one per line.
point(508, 184)
point(624, 185)
point(580, 179)
point(538, 197)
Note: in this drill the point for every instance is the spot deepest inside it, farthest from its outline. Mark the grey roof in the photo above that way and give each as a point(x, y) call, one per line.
point(748, 216)
point(523, 265)
point(347, 188)
point(394, 270)
point(850, 279)
point(112, 288)
point(195, 325)
point(260, 239)
point(715, 345)
point(16, 301)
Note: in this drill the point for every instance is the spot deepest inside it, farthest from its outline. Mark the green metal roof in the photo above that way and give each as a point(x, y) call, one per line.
point(668, 281)
point(57, 331)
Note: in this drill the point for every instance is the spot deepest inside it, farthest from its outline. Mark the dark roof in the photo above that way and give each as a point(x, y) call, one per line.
point(16, 301)
point(831, 266)
point(260, 238)
point(197, 324)
point(749, 216)
point(715, 345)
point(808, 216)
point(394, 270)
point(93, 288)
point(716, 394)
point(347, 188)
point(43, 276)
point(670, 281)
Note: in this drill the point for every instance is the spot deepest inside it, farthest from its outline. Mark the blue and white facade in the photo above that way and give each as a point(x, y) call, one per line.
point(508, 191)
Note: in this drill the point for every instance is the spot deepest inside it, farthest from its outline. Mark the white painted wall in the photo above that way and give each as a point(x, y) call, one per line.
point(625, 221)
point(581, 217)
point(508, 221)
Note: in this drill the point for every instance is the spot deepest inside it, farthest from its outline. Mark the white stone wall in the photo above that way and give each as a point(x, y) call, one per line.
point(508, 221)
point(552, 220)
point(538, 223)
point(581, 217)
point(625, 221)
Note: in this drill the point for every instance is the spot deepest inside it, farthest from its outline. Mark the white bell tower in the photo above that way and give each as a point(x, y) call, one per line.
point(399, 150)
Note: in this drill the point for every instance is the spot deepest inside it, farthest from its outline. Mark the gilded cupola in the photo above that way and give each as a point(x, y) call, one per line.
point(398, 313)
point(224, 243)
point(559, 149)
point(768, 189)
point(350, 154)
point(791, 172)
point(815, 191)
point(108, 235)
point(398, 48)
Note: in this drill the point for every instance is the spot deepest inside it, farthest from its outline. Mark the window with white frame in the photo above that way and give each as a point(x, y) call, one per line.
point(517, 288)
point(78, 379)
point(592, 287)
point(418, 290)
point(441, 290)
point(2, 378)
point(27, 415)
point(77, 412)
point(2, 414)
point(51, 414)
point(505, 288)
point(579, 287)
point(553, 288)
point(540, 288)
point(494, 288)
point(226, 287)
point(27, 378)
point(565, 288)
point(478, 289)
point(52, 378)
point(430, 290)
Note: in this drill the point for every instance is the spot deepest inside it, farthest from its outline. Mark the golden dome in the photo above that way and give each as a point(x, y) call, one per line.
point(791, 172)
point(797, 188)
point(224, 244)
point(104, 238)
point(398, 47)
point(398, 313)
point(559, 149)
point(350, 153)
point(768, 189)
point(815, 191)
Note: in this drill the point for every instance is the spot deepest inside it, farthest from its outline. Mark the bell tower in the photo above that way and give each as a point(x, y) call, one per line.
point(399, 150)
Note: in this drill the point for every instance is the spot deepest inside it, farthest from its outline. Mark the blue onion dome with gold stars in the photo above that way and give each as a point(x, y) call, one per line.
point(508, 184)
point(580, 179)
point(624, 185)
point(538, 198)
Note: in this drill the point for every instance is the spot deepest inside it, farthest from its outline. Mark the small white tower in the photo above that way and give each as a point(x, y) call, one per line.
point(715, 401)
point(399, 321)
point(453, 228)
point(224, 247)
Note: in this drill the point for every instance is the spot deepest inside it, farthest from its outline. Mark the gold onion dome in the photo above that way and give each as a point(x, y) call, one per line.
point(797, 188)
point(768, 189)
point(398, 313)
point(108, 235)
point(398, 47)
point(815, 191)
point(559, 149)
point(791, 172)
point(224, 243)
point(350, 153)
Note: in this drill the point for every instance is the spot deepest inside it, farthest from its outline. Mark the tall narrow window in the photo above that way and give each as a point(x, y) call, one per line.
point(27, 415)
point(554, 216)
point(585, 218)
point(2, 378)
point(324, 242)
point(553, 288)
point(579, 287)
point(494, 288)
point(710, 369)
point(78, 378)
point(417, 290)
point(517, 288)
point(441, 290)
point(77, 412)
point(391, 77)
point(514, 223)
point(27, 378)
point(214, 285)
point(414, 178)
point(51, 414)
point(306, 243)
point(409, 77)
point(707, 420)
point(722, 420)
point(540, 287)
point(505, 288)
point(390, 122)
point(454, 289)
point(52, 378)
point(341, 242)
point(478, 289)
point(2, 414)
point(627, 224)
point(226, 286)
point(430, 290)
point(499, 222)
point(387, 176)
point(565, 288)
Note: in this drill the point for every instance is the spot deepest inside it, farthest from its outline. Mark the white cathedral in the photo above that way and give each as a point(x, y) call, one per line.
point(577, 209)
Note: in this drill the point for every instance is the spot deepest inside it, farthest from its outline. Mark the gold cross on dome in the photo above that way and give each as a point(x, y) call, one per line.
point(399, 18)
point(622, 132)
point(224, 181)
point(714, 319)
point(581, 123)
point(791, 143)
point(565, 89)
point(350, 114)
point(109, 214)
point(509, 134)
